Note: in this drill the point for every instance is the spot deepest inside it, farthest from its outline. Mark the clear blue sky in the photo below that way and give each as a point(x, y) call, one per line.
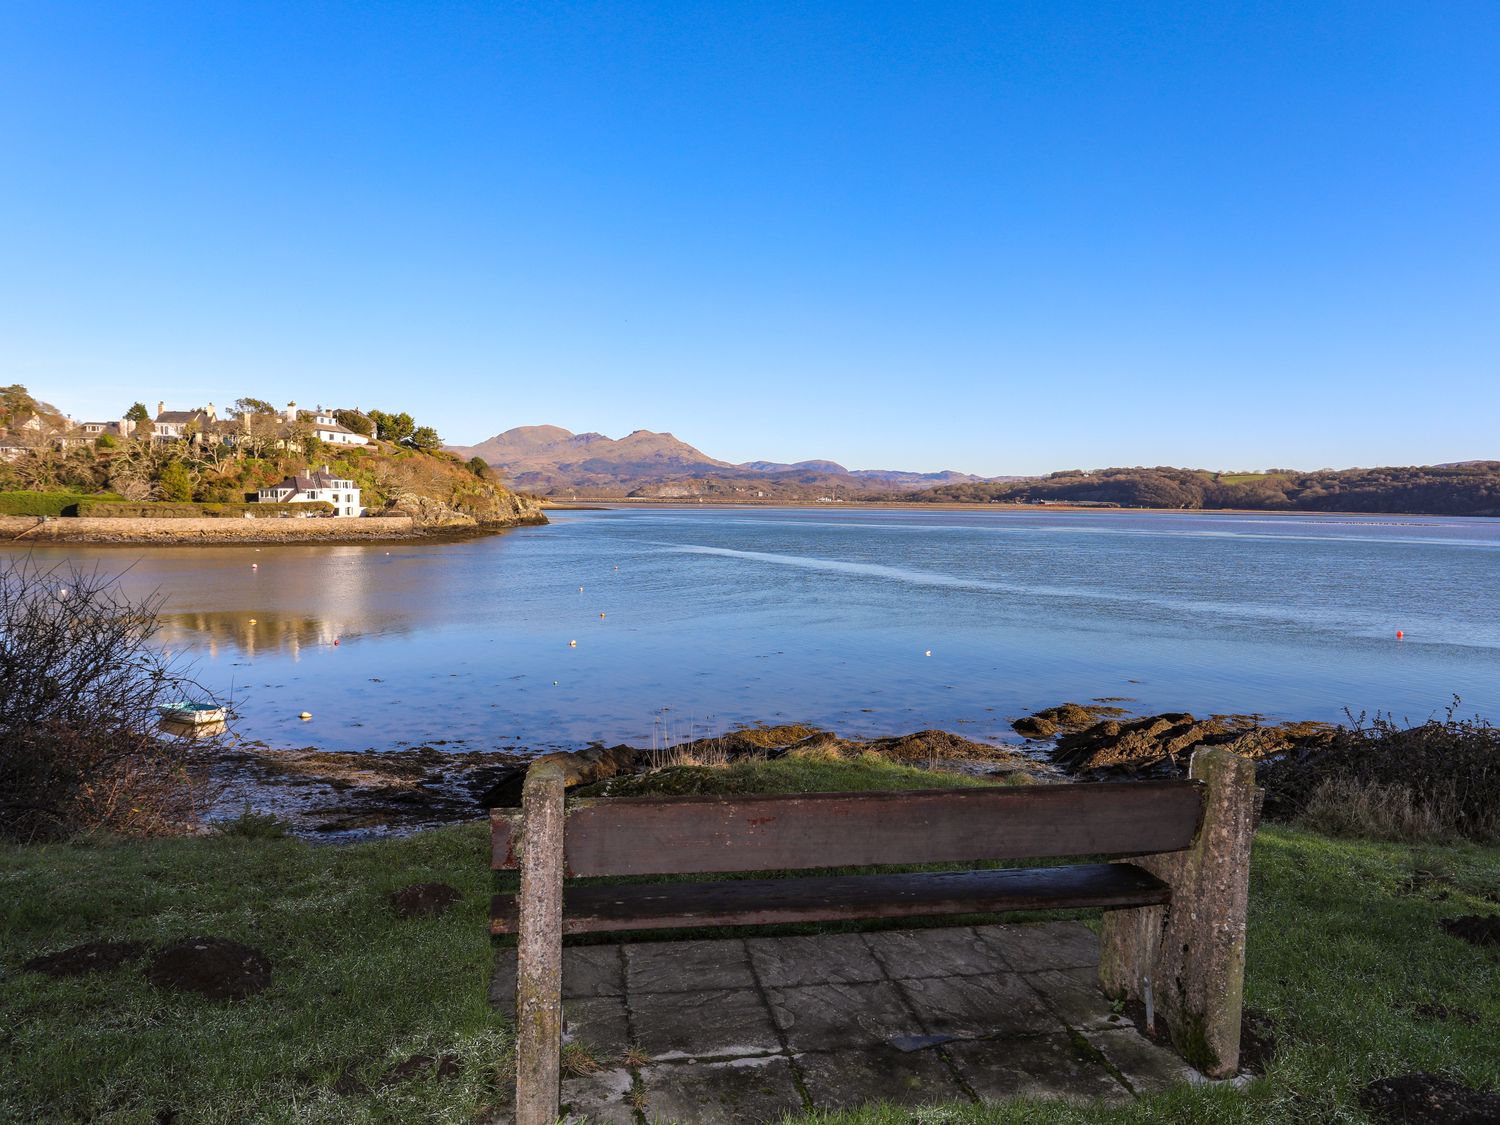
point(999, 237)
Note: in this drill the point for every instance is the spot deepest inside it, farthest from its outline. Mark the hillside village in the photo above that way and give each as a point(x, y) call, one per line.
point(252, 459)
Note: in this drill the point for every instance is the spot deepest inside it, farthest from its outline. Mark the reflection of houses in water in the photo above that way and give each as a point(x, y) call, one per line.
point(265, 632)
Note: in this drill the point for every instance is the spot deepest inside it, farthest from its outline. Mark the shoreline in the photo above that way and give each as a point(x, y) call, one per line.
point(218, 531)
point(614, 503)
point(344, 796)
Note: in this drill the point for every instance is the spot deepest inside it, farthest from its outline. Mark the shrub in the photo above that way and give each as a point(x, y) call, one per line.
point(176, 484)
point(117, 509)
point(1438, 780)
point(80, 684)
point(41, 503)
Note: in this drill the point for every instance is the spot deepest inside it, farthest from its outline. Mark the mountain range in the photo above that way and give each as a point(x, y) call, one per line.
point(553, 461)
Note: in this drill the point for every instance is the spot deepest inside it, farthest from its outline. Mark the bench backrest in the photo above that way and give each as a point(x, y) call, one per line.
point(690, 835)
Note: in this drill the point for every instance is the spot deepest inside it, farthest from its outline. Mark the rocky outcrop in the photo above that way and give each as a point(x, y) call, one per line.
point(1065, 717)
point(1163, 743)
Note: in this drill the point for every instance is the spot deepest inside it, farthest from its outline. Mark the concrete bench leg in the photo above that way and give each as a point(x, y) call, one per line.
point(539, 948)
point(1187, 959)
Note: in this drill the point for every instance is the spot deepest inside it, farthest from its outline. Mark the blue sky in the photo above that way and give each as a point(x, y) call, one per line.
point(998, 237)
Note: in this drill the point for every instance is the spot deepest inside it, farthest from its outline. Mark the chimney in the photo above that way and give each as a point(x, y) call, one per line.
point(291, 412)
point(213, 415)
point(161, 408)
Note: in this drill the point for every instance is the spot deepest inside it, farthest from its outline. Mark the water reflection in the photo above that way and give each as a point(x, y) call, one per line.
point(265, 632)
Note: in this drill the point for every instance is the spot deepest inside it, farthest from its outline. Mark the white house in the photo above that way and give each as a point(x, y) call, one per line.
point(326, 427)
point(308, 488)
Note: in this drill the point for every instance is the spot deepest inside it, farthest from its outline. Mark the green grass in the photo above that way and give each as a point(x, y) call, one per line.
point(795, 774)
point(1343, 945)
point(353, 985)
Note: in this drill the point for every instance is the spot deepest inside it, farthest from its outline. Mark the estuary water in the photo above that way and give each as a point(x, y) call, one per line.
point(868, 621)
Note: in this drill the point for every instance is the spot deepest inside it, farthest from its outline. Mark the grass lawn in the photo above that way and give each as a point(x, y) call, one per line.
point(1345, 956)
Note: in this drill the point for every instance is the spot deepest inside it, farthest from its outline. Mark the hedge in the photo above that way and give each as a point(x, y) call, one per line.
point(124, 509)
point(43, 503)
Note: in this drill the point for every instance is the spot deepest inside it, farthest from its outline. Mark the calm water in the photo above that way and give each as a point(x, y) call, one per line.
point(695, 620)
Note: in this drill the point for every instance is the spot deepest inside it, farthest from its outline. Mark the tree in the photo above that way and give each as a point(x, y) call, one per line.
point(426, 439)
point(355, 420)
point(138, 413)
point(392, 427)
point(243, 406)
point(480, 468)
point(175, 483)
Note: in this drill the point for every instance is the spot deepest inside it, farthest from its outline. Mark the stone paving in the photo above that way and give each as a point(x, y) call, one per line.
point(746, 1030)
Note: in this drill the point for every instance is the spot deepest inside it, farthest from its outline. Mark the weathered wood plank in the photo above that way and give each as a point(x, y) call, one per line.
point(505, 832)
point(754, 902)
point(690, 835)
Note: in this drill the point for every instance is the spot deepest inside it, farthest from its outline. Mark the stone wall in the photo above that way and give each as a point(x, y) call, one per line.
point(28, 529)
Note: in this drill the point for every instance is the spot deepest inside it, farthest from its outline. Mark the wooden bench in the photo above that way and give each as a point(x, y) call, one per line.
point(1173, 932)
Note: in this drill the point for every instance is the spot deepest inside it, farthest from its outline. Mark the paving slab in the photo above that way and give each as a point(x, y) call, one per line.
point(703, 1024)
point(687, 966)
point(592, 970)
point(588, 970)
point(1148, 1067)
point(1030, 946)
point(602, 1098)
point(820, 959)
point(738, 1092)
point(1042, 1066)
point(747, 1030)
point(909, 954)
point(598, 1023)
point(979, 1007)
point(848, 1079)
point(1075, 995)
point(822, 1017)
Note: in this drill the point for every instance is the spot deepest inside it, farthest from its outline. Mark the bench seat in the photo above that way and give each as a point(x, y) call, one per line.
point(832, 898)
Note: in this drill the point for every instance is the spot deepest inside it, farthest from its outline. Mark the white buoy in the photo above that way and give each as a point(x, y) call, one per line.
point(927, 653)
point(572, 644)
point(305, 716)
point(252, 621)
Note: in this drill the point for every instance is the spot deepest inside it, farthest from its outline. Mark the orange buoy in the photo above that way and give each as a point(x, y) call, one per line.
point(1399, 634)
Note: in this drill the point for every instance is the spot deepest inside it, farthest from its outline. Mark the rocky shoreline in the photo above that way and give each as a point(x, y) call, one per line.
point(339, 796)
point(215, 530)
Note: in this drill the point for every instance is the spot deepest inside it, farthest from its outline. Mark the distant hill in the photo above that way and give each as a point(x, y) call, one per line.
point(551, 460)
point(1466, 488)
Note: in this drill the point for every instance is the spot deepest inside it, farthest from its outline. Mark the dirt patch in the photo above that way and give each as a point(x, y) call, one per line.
point(1420, 1099)
point(211, 966)
point(1476, 929)
point(1259, 1041)
point(424, 900)
point(90, 957)
point(1441, 1013)
point(437, 1067)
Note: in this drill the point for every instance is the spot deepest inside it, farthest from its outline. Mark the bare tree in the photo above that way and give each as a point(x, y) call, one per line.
point(80, 687)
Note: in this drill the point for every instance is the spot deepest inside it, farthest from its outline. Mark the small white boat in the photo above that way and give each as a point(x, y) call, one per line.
point(191, 714)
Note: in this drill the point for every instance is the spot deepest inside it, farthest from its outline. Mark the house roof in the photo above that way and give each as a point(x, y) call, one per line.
point(180, 416)
point(305, 482)
point(334, 427)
